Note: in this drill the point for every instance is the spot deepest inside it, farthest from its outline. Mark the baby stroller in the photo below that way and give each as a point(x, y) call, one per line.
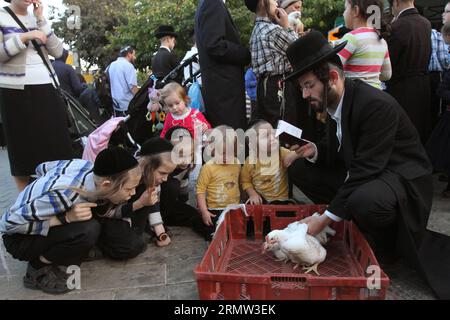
point(139, 125)
point(80, 123)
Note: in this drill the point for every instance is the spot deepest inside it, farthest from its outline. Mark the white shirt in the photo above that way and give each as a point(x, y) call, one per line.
point(195, 65)
point(167, 48)
point(35, 70)
point(336, 116)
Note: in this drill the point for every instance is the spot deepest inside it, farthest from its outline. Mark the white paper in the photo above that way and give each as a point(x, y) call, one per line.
point(284, 126)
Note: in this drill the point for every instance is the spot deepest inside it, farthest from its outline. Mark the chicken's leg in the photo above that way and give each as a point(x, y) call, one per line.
point(312, 268)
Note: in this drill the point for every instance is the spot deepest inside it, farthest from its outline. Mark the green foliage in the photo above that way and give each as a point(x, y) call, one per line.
point(98, 19)
point(143, 19)
point(110, 24)
point(321, 14)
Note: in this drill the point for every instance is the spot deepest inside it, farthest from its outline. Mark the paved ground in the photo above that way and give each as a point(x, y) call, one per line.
point(167, 273)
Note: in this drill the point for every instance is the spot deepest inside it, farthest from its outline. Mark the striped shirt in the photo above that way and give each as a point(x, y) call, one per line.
point(366, 57)
point(268, 45)
point(47, 196)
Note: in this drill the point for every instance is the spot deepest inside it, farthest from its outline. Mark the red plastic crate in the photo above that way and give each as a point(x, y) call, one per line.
point(234, 267)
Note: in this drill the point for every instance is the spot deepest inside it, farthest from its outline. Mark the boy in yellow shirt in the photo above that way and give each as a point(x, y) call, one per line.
point(218, 182)
point(264, 175)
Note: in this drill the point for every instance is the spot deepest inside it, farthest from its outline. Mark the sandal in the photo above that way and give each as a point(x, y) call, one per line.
point(49, 279)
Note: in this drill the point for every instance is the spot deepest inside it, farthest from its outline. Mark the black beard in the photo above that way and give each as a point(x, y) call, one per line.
point(329, 100)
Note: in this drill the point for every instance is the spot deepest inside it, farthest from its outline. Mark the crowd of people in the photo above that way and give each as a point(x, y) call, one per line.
point(364, 104)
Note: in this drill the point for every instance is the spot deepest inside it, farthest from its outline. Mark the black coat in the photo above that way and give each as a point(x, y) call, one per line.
point(163, 62)
point(222, 60)
point(410, 52)
point(378, 138)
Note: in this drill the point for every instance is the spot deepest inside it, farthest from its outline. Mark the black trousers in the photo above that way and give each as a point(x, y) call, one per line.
point(64, 245)
point(254, 110)
point(269, 105)
point(373, 206)
point(2, 136)
point(121, 241)
point(202, 229)
point(174, 209)
point(435, 102)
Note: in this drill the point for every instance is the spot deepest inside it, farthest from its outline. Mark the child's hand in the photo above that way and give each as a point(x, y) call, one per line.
point(149, 197)
point(80, 212)
point(290, 159)
point(204, 127)
point(281, 18)
point(300, 28)
point(255, 199)
point(206, 217)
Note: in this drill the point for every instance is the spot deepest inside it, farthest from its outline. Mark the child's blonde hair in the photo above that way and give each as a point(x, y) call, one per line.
point(117, 183)
point(174, 87)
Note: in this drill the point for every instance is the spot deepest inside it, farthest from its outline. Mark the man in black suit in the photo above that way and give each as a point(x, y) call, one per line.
point(165, 59)
point(370, 167)
point(410, 52)
point(222, 58)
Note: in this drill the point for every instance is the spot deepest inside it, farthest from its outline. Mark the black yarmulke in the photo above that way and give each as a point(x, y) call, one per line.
point(155, 145)
point(112, 161)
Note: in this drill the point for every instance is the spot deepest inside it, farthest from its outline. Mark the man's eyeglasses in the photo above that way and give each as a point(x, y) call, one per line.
point(308, 86)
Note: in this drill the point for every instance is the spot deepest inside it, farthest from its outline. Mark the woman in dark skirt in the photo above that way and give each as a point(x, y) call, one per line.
point(33, 114)
point(2, 135)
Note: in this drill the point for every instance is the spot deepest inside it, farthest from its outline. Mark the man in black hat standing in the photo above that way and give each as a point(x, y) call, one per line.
point(223, 58)
point(370, 166)
point(165, 59)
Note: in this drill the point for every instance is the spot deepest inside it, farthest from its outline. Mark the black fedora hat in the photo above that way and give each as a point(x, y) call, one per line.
point(309, 51)
point(251, 5)
point(164, 31)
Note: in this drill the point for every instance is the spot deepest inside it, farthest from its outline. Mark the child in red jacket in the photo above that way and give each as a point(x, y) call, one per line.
point(176, 101)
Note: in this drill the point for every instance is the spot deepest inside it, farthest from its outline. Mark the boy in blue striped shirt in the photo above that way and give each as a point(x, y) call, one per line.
point(51, 224)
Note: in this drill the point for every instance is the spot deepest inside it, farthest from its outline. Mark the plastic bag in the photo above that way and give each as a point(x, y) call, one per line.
point(196, 97)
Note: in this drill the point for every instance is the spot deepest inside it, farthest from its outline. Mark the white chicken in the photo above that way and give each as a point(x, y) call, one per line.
point(294, 18)
point(303, 249)
point(295, 244)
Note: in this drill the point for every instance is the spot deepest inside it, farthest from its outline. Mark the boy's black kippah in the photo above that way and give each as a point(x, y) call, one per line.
point(155, 145)
point(112, 161)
